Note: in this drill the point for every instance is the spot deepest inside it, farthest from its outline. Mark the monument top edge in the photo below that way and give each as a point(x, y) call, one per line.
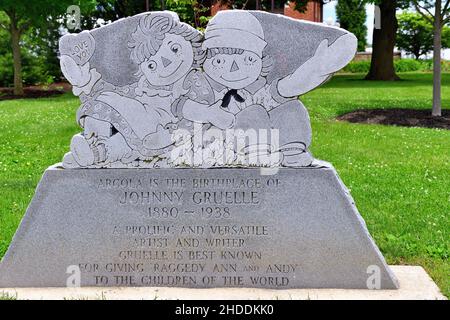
point(317, 164)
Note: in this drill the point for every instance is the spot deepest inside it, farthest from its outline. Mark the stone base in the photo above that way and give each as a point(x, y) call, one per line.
point(415, 284)
point(295, 228)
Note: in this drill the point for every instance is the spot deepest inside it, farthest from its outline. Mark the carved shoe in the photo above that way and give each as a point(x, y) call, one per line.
point(82, 151)
point(69, 161)
point(295, 155)
point(301, 159)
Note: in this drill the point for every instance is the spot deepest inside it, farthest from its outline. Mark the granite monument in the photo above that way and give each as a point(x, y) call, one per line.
point(192, 168)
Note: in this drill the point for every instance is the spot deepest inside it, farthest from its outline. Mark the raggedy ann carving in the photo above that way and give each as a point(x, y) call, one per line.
point(245, 73)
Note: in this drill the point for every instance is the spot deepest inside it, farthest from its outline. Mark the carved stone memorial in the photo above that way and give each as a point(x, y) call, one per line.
point(192, 168)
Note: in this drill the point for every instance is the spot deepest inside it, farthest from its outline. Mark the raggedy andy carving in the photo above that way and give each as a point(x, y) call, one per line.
point(155, 92)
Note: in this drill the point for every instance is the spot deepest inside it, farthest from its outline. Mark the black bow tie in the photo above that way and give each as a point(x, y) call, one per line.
point(227, 98)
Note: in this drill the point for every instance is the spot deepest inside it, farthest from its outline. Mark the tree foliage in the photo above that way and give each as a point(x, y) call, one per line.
point(352, 17)
point(36, 68)
point(194, 12)
point(300, 5)
point(22, 15)
point(427, 9)
point(415, 34)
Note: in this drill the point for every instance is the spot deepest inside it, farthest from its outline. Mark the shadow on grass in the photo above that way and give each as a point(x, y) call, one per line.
point(399, 117)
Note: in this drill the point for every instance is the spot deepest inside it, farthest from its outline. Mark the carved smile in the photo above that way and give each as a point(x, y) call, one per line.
point(176, 69)
point(233, 80)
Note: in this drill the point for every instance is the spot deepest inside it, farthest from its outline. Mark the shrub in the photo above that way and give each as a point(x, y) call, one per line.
point(402, 65)
point(407, 65)
point(428, 65)
point(357, 67)
point(34, 70)
point(6, 70)
point(446, 66)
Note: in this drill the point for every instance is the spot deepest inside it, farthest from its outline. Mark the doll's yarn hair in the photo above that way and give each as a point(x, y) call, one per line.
point(150, 34)
point(267, 61)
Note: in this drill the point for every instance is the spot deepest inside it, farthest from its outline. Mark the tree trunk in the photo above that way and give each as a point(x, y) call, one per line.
point(437, 77)
point(382, 65)
point(17, 58)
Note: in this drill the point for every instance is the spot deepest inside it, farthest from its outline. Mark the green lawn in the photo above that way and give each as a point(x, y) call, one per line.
point(399, 177)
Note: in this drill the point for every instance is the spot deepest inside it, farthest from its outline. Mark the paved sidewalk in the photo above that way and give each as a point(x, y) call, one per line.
point(415, 284)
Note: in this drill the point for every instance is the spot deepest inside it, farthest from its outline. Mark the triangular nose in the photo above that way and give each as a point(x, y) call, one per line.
point(234, 67)
point(165, 61)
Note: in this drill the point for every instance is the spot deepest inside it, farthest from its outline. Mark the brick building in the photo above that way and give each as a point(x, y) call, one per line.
point(314, 11)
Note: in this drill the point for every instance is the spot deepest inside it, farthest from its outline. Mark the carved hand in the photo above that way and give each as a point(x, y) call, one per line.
point(203, 113)
point(219, 117)
point(326, 60)
point(78, 76)
point(332, 58)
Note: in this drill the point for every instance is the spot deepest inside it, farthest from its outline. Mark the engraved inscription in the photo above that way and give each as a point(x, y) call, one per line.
point(188, 233)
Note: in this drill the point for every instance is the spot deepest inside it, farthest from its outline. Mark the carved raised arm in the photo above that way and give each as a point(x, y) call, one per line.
point(327, 60)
